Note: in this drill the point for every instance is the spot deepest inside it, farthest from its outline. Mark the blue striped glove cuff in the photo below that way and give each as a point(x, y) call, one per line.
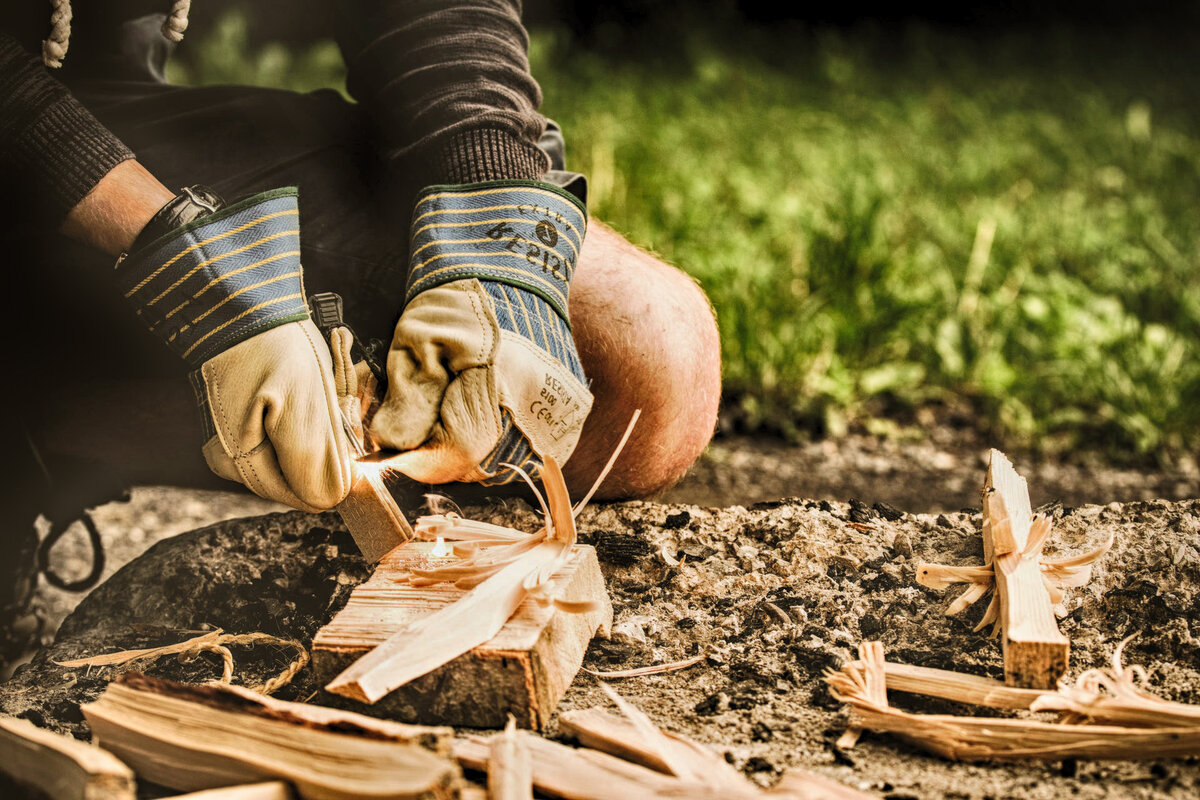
point(523, 234)
point(222, 279)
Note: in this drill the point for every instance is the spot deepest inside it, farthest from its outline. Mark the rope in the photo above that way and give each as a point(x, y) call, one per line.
point(249, 640)
point(177, 20)
point(54, 47)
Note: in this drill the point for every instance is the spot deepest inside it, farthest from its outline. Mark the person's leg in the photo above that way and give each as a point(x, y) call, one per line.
point(647, 337)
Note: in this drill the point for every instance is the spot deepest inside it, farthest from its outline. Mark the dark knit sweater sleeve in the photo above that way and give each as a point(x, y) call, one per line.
point(448, 86)
point(51, 148)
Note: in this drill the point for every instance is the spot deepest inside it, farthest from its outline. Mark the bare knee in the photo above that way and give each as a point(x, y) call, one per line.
point(648, 340)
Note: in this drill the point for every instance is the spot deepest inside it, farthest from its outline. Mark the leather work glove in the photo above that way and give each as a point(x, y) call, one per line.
point(482, 369)
point(224, 290)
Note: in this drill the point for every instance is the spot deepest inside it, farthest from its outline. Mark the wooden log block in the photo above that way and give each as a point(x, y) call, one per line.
point(372, 515)
point(1035, 651)
point(58, 766)
point(524, 670)
point(190, 738)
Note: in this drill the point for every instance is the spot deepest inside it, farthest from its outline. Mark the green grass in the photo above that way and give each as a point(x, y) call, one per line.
point(888, 222)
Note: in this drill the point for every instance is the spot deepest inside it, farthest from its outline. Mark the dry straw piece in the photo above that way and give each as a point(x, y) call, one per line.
point(654, 669)
point(1152, 727)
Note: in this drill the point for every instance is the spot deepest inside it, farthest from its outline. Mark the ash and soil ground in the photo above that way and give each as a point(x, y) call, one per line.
point(758, 697)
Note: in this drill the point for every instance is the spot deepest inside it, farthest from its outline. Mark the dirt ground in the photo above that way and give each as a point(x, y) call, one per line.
point(758, 697)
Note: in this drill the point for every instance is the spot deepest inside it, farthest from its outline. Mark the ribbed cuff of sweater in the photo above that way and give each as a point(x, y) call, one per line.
point(67, 152)
point(51, 147)
point(489, 154)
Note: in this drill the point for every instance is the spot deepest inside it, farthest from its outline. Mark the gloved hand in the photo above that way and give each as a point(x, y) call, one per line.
point(482, 369)
point(224, 290)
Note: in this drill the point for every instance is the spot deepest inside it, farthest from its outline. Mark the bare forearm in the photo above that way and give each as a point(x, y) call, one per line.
point(112, 214)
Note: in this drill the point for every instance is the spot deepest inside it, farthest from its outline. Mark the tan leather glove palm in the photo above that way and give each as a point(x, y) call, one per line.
point(277, 425)
point(482, 369)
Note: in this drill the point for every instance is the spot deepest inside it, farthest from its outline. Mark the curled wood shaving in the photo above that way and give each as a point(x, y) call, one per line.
point(1154, 728)
point(1058, 574)
point(655, 669)
point(577, 606)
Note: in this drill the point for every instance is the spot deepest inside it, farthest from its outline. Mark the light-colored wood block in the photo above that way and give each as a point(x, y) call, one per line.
point(523, 670)
point(372, 515)
point(61, 767)
point(1036, 653)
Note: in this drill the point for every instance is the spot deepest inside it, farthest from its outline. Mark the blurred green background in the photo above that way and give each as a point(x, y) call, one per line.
point(896, 224)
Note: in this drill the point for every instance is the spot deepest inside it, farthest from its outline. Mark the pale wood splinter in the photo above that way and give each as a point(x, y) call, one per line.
point(372, 515)
point(1035, 651)
point(1027, 587)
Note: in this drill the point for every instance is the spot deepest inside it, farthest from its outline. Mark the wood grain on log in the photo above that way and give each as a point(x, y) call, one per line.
point(523, 670)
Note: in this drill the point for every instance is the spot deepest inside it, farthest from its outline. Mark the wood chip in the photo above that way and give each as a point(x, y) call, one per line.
point(60, 767)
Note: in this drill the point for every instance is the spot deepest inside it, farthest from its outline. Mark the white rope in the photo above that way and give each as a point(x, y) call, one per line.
point(177, 21)
point(54, 47)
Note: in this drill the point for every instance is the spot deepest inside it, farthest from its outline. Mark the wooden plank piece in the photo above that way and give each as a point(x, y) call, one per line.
point(372, 515)
point(523, 670)
point(61, 767)
point(191, 738)
point(271, 790)
point(564, 772)
point(510, 769)
point(428, 642)
point(618, 736)
point(1035, 651)
point(803, 784)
